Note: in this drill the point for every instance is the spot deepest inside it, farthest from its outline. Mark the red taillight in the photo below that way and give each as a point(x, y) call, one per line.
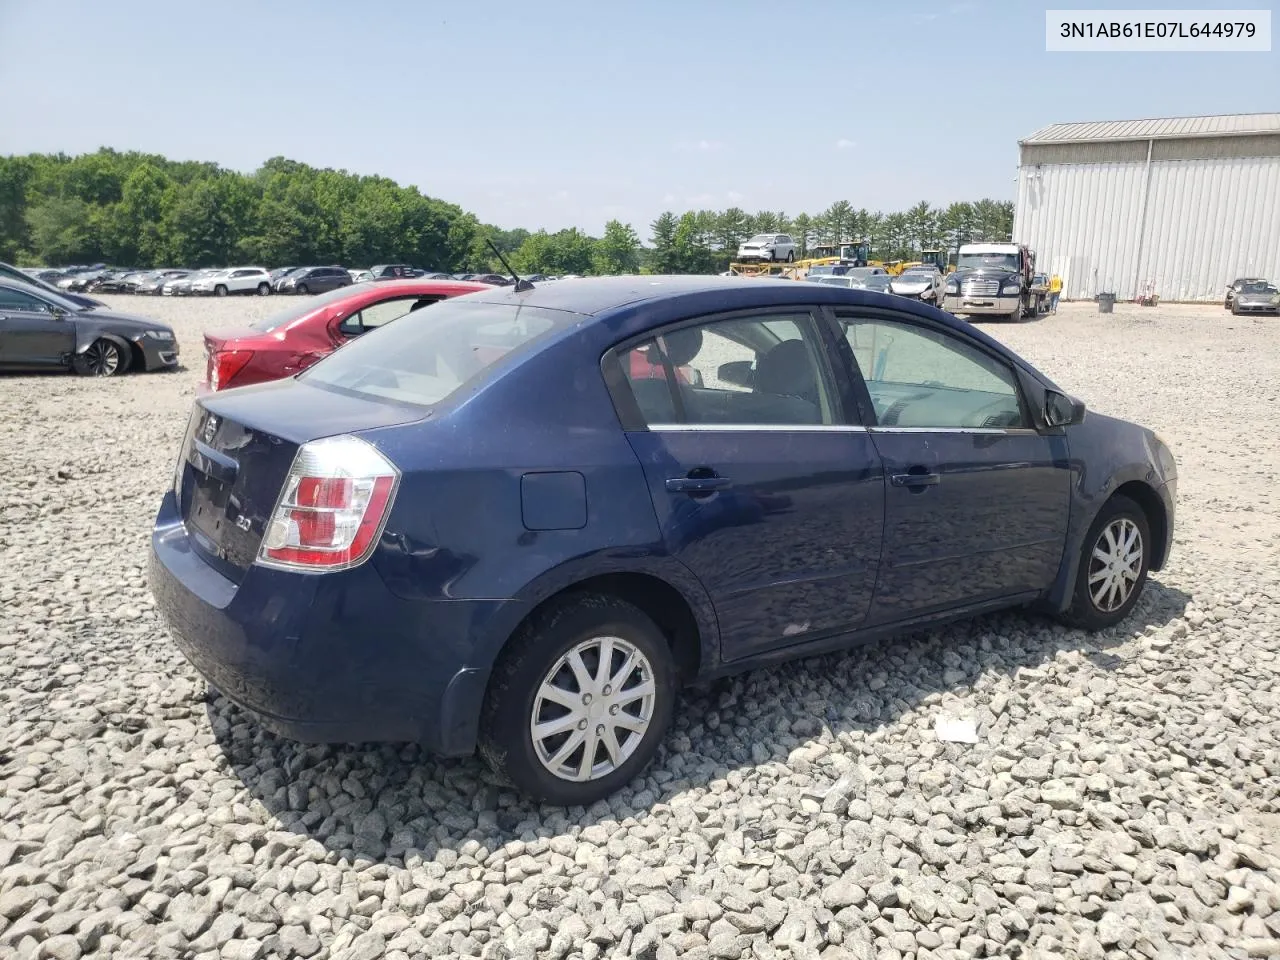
point(335, 502)
point(224, 365)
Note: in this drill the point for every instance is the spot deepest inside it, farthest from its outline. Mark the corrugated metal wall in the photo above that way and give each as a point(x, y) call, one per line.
point(1206, 223)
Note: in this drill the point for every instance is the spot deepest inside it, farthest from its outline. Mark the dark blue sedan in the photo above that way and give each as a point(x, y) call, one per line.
point(521, 520)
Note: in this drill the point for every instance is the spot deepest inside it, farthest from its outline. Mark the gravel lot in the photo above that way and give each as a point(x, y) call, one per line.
point(1123, 800)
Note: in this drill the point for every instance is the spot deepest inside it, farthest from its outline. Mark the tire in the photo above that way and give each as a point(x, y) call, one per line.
point(302, 289)
point(791, 256)
point(104, 358)
point(536, 661)
point(1117, 519)
point(1235, 310)
point(220, 290)
point(1226, 304)
point(264, 289)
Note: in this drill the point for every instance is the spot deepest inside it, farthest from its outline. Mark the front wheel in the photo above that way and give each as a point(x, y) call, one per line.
point(104, 358)
point(1113, 566)
point(264, 289)
point(302, 288)
point(220, 290)
point(579, 702)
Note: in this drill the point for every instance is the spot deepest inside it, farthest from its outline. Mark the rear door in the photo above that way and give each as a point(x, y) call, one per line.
point(977, 500)
point(763, 483)
point(30, 334)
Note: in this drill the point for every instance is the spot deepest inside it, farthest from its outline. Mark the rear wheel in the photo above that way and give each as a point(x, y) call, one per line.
point(264, 289)
point(791, 256)
point(580, 701)
point(1113, 566)
point(104, 358)
point(220, 290)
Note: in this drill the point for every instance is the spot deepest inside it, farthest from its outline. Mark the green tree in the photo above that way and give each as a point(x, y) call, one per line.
point(662, 232)
point(60, 230)
point(618, 251)
point(802, 231)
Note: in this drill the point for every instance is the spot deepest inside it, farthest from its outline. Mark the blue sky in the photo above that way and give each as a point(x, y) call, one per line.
point(563, 113)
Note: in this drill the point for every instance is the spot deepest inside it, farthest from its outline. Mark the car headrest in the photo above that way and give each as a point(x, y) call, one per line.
point(787, 370)
point(682, 345)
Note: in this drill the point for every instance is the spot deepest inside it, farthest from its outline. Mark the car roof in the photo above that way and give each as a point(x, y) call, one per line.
point(595, 296)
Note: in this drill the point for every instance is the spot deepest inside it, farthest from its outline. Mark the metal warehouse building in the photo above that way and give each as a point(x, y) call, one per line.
point(1183, 205)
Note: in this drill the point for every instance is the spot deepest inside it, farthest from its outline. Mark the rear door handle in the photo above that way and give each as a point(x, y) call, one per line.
point(914, 479)
point(697, 484)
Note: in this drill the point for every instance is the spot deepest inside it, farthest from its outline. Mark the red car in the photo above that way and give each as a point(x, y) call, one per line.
point(290, 341)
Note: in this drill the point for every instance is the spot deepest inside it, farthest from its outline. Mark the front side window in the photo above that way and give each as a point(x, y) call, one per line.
point(923, 378)
point(750, 371)
point(20, 300)
point(424, 363)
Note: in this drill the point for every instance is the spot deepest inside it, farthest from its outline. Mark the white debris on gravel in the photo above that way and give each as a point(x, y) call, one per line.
point(1123, 800)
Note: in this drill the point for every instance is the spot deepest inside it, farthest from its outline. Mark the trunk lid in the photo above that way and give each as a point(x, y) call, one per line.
point(238, 449)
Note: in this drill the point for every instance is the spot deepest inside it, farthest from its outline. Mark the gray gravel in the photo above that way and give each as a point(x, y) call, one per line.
point(1123, 799)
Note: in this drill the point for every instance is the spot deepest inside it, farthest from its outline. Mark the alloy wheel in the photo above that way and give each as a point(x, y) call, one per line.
point(592, 709)
point(102, 358)
point(1115, 564)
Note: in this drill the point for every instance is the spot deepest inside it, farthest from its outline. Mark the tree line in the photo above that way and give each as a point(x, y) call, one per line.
point(143, 210)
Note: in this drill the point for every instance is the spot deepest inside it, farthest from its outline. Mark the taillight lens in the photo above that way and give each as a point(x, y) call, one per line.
point(333, 507)
point(224, 365)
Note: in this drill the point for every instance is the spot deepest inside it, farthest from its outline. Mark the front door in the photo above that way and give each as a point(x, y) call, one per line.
point(761, 485)
point(30, 333)
point(976, 501)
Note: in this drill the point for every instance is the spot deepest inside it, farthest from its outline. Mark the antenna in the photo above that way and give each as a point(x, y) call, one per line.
point(521, 285)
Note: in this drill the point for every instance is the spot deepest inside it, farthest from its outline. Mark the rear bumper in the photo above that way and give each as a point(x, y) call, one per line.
point(331, 658)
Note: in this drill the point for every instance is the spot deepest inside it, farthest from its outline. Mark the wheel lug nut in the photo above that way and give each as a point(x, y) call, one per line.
point(607, 689)
point(586, 698)
point(600, 730)
point(582, 724)
point(613, 711)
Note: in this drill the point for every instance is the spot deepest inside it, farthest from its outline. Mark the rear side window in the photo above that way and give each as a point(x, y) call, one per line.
point(424, 363)
point(743, 372)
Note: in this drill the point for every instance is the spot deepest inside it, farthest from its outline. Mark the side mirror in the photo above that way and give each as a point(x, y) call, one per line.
point(738, 372)
point(1061, 410)
point(57, 313)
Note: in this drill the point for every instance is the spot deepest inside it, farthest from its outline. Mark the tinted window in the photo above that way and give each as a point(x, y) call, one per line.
point(423, 363)
point(921, 377)
point(20, 300)
point(739, 372)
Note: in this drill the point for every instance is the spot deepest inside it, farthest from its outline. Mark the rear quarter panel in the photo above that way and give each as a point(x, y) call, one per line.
point(459, 531)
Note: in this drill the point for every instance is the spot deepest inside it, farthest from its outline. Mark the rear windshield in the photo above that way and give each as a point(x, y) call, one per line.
point(423, 359)
point(302, 308)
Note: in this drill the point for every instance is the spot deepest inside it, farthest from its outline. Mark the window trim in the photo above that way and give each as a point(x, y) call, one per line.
point(834, 314)
point(632, 419)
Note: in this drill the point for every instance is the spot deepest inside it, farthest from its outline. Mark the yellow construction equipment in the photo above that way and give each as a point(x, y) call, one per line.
point(937, 258)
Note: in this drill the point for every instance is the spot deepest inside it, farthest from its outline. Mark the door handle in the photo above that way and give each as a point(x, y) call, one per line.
point(697, 484)
point(914, 479)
